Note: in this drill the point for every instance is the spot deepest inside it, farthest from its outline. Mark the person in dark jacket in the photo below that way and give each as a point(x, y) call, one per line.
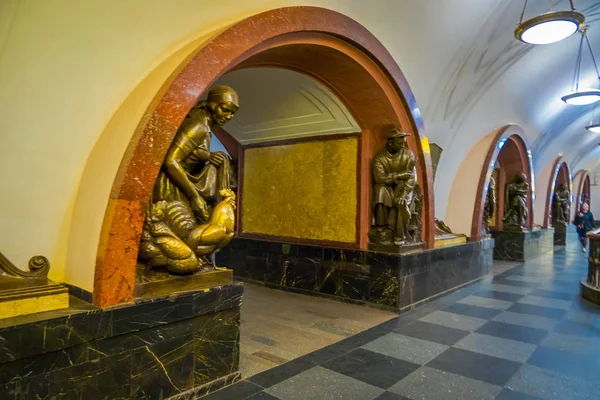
point(584, 220)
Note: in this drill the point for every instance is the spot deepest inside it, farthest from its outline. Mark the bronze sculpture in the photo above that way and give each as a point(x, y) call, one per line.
point(415, 226)
point(515, 203)
point(561, 205)
point(192, 211)
point(490, 205)
point(394, 173)
point(441, 228)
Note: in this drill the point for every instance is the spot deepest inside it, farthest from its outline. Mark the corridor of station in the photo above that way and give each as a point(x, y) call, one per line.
point(299, 200)
point(521, 334)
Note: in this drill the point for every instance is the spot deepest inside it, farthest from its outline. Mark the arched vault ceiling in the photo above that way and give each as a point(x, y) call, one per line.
point(472, 76)
point(534, 78)
point(277, 104)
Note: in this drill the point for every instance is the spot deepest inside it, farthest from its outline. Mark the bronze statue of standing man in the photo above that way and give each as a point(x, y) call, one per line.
point(394, 173)
point(515, 204)
point(561, 205)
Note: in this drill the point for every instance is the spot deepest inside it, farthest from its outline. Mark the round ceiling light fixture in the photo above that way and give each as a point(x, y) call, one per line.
point(581, 97)
point(595, 128)
point(550, 27)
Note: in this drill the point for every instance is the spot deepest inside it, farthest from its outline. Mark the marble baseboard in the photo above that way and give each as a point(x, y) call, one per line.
point(522, 246)
point(392, 281)
point(154, 349)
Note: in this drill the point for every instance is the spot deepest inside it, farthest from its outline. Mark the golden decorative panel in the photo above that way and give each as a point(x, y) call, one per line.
point(304, 190)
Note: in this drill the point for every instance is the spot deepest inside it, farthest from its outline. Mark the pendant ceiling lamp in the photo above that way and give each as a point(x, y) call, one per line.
point(549, 27)
point(578, 96)
point(593, 126)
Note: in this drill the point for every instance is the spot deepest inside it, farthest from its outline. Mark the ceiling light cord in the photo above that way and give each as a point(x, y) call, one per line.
point(523, 12)
point(575, 85)
point(593, 58)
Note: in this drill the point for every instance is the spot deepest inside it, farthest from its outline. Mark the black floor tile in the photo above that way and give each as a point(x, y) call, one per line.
point(507, 394)
point(537, 310)
point(514, 332)
point(390, 396)
point(432, 332)
point(472, 311)
point(263, 396)
point(581, 304)
point(491, 294)
point(553, 295)
point(240, 390)
point(496, 371)
point(344, 346)
point(370, 367)
point(575, 328)
point(502, 280)
point(278, 374)
point(566, 362)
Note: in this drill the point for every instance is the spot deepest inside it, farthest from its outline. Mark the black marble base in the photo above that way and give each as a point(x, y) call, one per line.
point(560, 235)
point(522, 246)
point(392, 281)
point(153, 349)
point(590, 292)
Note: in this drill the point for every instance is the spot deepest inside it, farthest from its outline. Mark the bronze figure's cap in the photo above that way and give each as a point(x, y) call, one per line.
point(394, 133)
point(222, 94)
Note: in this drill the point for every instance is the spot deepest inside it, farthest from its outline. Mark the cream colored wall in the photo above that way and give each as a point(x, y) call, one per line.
point(75, 77)
point(459, 211)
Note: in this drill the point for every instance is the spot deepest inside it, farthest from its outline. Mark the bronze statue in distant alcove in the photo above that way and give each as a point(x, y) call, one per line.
point(515, 203)
point(561, 205)
point(415, 226)
point(490, 205)
point(192, 211)
point(394, 173)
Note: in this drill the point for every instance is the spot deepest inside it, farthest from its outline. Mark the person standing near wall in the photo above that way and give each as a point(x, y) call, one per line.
point(584, 220)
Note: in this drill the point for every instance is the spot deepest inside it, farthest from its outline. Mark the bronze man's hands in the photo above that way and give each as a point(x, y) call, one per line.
point(217, 158)
point(200, 208)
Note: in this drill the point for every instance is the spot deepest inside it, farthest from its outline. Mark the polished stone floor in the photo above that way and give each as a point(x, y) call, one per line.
point(280, 326)
point(522, 334)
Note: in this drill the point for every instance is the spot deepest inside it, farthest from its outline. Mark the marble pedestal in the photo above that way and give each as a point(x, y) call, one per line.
point(560, 234)
point(177, 347)
point(590, 285)
point(522, 246)
point(388, 280)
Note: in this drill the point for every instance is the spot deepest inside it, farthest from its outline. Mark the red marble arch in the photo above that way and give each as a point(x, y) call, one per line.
point(328, 46)
point(583, 178)
point(560, 174)
point(510, 149)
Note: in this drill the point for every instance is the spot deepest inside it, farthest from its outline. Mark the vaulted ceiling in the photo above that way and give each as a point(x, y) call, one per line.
point(280, 104)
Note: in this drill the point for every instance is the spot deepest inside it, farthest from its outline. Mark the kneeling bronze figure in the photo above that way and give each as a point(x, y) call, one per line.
point(192, 212)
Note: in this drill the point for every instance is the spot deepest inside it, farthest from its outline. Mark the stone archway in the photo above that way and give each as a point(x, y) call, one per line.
point(509, 148)
point(329, 47)
point(581, 183)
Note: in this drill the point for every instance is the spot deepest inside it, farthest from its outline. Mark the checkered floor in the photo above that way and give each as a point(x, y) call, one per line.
point(523, 334)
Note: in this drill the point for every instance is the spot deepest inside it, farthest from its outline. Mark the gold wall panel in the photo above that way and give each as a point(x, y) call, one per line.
point(303, 190)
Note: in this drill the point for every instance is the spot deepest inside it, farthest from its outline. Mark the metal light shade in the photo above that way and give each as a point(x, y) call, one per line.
point(549, 27)
point(583, 97)
point(593, 128)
